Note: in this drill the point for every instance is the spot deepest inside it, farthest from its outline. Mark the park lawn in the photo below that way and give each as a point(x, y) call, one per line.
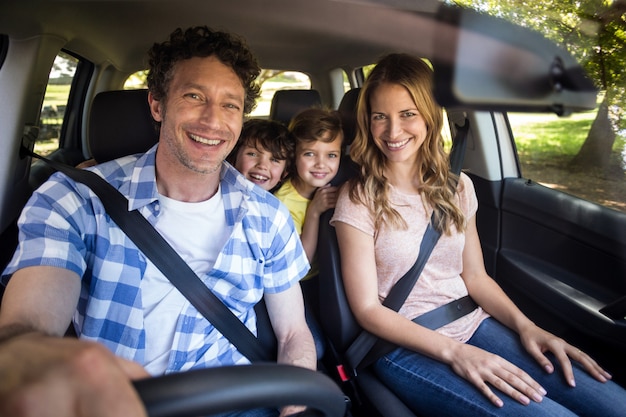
point(547, 143)
point(549, 137)
point(56, 94)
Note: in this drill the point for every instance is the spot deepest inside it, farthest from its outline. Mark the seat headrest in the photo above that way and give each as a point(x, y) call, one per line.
point(347, 111)
point(121, 124)
point(287, 103)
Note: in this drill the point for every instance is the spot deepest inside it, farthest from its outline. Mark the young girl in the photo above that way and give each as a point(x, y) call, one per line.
point(494, 360)
point(307, 193)
point(263, 153)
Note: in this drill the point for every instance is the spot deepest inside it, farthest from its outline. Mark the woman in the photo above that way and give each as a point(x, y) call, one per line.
point(494, 360)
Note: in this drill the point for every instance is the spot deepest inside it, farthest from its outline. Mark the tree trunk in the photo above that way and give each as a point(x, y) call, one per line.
point(596, 150)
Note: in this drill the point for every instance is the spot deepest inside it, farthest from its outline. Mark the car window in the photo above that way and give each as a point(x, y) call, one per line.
point(270, 81)
point(551, 150)
point(583, 154)
point(136, 81)
point(55, 103)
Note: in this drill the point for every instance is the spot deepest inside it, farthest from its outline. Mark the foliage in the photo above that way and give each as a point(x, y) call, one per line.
point(594, 32)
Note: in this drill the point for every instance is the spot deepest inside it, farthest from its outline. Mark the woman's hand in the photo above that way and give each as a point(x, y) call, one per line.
point(538, 341)
point(486, 370)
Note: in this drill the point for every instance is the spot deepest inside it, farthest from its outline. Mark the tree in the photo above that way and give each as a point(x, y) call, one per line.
point(594, 32)
point(139, 79)
point(267, 74)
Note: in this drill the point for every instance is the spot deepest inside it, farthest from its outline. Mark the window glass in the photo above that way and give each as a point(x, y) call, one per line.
point(55, 103)
point(274, 80)
point(552, 150)
point(346, 81)
point(270, 81)
point(137, 81)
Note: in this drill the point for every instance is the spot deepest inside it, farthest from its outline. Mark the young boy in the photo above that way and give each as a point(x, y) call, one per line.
point(307, 194)
point(263, 153)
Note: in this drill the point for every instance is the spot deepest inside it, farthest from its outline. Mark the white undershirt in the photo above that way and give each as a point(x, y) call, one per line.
point(197, 231)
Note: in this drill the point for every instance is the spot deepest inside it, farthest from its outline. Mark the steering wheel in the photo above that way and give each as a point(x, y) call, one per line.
point(231, 388)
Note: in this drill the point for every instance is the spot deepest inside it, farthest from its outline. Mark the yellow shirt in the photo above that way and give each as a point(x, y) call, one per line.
point(297, 206)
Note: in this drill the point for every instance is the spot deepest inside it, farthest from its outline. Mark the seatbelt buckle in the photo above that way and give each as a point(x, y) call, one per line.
point(344, 374)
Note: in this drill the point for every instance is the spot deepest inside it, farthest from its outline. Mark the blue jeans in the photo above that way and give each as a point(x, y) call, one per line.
point(431, 388)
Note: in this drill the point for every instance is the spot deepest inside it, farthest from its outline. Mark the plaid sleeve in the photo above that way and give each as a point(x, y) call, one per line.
point(52, 227)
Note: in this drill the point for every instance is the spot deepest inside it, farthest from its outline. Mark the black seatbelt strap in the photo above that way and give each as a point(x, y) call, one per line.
point(167, 260)
point(366, 348)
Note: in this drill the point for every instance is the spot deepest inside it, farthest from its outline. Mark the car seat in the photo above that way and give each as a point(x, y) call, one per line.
point(120, 124)
point(369, 396)
point(347, 111)
point(287, 103)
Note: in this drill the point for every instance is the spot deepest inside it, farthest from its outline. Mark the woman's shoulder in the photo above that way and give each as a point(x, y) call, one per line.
point(351, 193)
point(467, 194)
point(351, 204)
point(465, 185)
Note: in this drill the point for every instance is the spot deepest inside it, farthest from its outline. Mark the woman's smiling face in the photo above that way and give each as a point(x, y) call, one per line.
point(397, 127)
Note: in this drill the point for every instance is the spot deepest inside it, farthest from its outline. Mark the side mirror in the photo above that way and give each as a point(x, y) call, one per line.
point(486, 63)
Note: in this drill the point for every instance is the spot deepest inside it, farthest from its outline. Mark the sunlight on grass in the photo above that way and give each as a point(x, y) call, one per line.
point(547, 143)
point(549, 136)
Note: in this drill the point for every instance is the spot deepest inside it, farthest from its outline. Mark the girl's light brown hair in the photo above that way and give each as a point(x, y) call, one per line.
point(315, 124)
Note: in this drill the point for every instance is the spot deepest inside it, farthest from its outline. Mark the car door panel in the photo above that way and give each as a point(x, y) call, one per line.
point(563, 259)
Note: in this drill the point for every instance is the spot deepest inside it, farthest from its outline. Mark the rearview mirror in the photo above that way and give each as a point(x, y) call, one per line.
point(496, 65)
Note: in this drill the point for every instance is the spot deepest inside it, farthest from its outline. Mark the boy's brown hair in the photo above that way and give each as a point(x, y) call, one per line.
point(270, 135)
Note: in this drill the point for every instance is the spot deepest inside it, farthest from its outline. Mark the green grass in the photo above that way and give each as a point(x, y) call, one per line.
point(56, 94)
point(550, 137)
point(546, 144)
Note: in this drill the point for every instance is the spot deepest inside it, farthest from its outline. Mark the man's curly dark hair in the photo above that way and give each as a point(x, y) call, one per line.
point(201, 41)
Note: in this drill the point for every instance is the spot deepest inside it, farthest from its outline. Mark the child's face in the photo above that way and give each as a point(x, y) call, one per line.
point(260, 166)
point(317, 162)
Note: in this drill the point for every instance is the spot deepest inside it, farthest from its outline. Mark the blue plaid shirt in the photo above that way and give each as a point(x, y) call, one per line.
point(65, 225)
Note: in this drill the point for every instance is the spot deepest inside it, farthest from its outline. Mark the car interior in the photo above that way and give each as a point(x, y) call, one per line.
point(562, 259)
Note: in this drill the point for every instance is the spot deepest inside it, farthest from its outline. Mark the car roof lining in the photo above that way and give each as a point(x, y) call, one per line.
point(315, 35)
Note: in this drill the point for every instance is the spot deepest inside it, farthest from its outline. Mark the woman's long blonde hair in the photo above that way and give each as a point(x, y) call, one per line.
point(371, 187)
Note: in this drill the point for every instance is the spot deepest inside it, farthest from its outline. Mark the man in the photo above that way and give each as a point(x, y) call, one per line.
point(73, 264)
